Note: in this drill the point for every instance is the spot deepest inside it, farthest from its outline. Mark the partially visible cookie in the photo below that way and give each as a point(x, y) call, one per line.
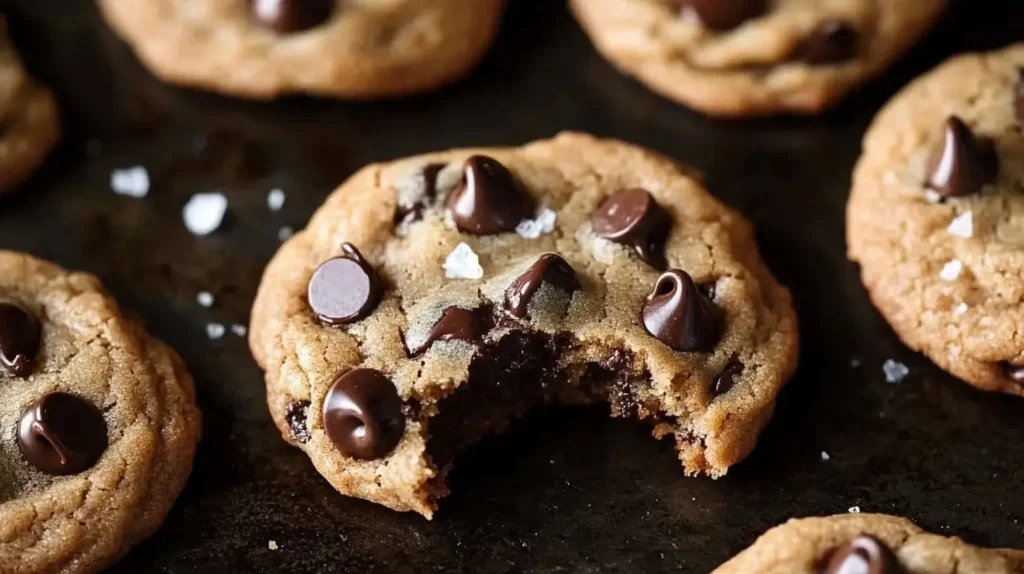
point(98, 423)
point(866, 544)
point(340, 48)
point(29, 127)
point(755, 57)
point(936, 217)
point(433, 299)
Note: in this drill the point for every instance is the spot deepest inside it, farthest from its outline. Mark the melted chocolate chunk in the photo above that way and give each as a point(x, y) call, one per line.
point(632, 217)
point(550, 269)
point(19, 339)
point(363, 414)
point(617, 380)
point(62, 434)
point(296, 414)
point(344, 289)
point(1014, 372)
point(962, 163)
point(865, 554)
point(287, 16)
point(679, 315)
point(725, 381)
point(723, 14)
point(489, 200)
point(833, 41)
point(457, 324)
point(410, 213)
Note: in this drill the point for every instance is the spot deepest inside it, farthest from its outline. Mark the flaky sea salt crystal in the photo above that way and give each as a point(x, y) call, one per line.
point(205, 299)
point(132, 181)
point(952, 270)
point(204, 212)
point(854, 510)
point(275, 199)
point(542, 224)
point(894, 371)
point(932, 196)
point(214, 330)
point(463, 263)
point(962, 225)
point(960, 309)
point(825, 456)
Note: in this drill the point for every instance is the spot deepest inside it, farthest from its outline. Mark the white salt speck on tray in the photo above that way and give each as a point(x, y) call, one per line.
point(205, 299)
point(238, 329)
point(894, 371)
point(272, 545)
point(534, 228)
point(214, 330)
point(204, 212)
point(854, 363)
point(275, 199)
point(962, 225)
point(825, 456)
point(284, 233)
point(463, 263)
point(131, 182)
point(952, 270)
point(854, 510)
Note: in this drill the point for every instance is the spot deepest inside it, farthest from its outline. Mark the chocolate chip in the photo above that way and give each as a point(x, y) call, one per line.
point(725, 381)
point(679, 315)
point(632, 217)
point(455, 324)
point(363, 414)
point(833, 41)
point(865, 554)
point(1018, 98)
point(62, 434)
point(296, 414)
point(19, 339)
point(489, 200)
point(962, 163)
point(1014, 372)
point(414, 212)
point(344, 289)
point(551, 269)
point(724, 14)
point(287, 16)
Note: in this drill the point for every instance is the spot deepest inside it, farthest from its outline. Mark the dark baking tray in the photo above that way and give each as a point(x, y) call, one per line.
point(569, 489)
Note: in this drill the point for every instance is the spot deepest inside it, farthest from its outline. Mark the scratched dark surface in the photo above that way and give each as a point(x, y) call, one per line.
point(568, 489)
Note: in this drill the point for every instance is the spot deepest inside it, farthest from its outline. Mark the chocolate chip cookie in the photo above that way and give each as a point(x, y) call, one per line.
point(936, 217)
point(755, 57)
point(339, 48)
point(28, 118)
point(432, 300)
point(98, 423)
point(866, 544)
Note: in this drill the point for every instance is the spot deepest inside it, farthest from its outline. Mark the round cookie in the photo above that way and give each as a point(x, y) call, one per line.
point(339, 48)
point(28, 119)
point(755, 57)
point(936, 217)
point(868, 543)
point(433, 299)
point(98, 423)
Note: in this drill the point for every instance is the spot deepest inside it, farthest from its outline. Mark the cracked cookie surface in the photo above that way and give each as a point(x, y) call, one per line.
point(417, 313)
point(875, 543)
point(339, 48)
point(755, 57)
point(936, 217)
point(98, 423)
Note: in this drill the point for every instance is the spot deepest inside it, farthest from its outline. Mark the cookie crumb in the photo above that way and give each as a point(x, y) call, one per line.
point(204, 212)
point(960, 309)
point(825, 456)
point(239, 329)
point(854, 510)
point(894, 371)
point(533, 228)
point(952, 270)
point(214, 331)
point(962, 225)
point(275, 199)
point(205, 299)
point(463, 263)
point(284, 233)
point(130, 182)
point(272, 545)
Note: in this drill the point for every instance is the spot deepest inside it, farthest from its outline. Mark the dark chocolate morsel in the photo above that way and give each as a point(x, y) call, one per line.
point(1018, 98)
point(833, 41)
point(286, 16)
point(1014, 372)
point(19, 339)
point(724, 14)
point(865, 554)
point(414, 212)
point(296, 415)
point(344, 289)
point(550, 268)
point(632, 217)
point(363, 414)
point(679, 315)
point(489, 200)
point(455, 324)
point(62, 434)
point(962, 163)
point(725, 381)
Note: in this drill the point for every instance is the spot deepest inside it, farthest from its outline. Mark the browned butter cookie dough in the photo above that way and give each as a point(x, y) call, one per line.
point(755, 57)
point(433, 299)
point(98, 423)
point(866, 544)
point(936, 217)
point(339, 48)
